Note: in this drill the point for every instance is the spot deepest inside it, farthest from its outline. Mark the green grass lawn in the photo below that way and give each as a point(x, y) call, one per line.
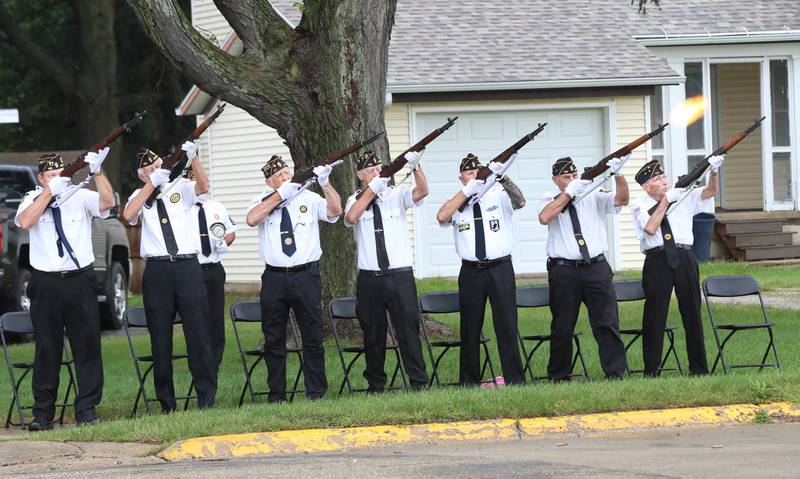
point(445, 404)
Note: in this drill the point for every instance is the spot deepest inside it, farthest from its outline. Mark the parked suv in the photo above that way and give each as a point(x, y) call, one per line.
point(111, 251)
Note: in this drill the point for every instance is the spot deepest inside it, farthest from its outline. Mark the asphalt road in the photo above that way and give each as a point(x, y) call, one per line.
point(753, 451)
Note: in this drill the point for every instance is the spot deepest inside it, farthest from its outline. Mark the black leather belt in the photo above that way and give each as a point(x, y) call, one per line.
point(661, 248)
point(575, 263)
point(63, 274)
point(210, 265)
point(290, 269)
point(386, 271)
point(487, 263)
point(176, 257)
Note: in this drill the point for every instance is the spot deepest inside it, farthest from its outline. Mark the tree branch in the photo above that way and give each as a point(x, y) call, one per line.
point(247, 16)
point(249, 82)
point(35, 55)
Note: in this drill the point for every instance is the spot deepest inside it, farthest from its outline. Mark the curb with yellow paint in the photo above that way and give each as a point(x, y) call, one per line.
point(326, 440)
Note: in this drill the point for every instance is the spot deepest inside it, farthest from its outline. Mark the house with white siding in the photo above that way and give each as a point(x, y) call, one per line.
point(599, 73)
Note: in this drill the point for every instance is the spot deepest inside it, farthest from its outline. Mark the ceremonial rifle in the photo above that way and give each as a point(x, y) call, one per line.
point(80, 162)
point(502, 158)
point(176, 163)
point(400, 161)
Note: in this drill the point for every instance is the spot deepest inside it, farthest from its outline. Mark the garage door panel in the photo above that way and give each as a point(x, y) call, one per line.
point(578, 133)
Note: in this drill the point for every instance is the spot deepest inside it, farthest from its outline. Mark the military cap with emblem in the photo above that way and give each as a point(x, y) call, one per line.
point(146, 157)
point(469, 162)
point(50, 162)
point(650, 170)
point(367, 160)
point(564, 166)
point(273, 165)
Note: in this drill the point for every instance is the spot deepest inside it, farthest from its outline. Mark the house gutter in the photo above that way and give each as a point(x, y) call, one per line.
point(708, 38)
point(535, 85)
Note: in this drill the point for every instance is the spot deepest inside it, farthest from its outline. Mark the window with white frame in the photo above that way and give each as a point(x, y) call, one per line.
point(657, 151)
point(695, 133)
point(781, 138)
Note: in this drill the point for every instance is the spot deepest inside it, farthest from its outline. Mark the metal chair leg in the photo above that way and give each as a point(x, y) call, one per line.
point(579, 357)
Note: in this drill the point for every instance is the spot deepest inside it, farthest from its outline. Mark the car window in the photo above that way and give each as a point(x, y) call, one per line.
point(14, 184)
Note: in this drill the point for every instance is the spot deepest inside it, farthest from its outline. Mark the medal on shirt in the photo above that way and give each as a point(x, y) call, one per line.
point(303, 208)
point(176, 197)
point(217, 230)
point(494, 225)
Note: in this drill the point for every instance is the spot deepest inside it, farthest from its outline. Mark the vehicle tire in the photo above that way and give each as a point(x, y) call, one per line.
point(116, 291)
point(22, 299)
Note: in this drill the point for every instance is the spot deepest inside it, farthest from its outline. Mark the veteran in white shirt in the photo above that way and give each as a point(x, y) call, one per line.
point(63, 285)
point(577, 269)
point(290, 248)
point(172, 281)
point(666, 240)
point(483, 238)
point(385, 281)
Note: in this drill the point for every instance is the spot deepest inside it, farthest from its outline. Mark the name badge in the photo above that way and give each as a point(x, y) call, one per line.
point(463, 227)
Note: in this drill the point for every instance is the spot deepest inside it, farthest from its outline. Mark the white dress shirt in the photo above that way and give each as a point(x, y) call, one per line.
point(306, 211)
point(217, 218)
point(681, 220)
point(592, 211)
point(393, 204)
point(177, 203)
point(496, 211)
point(76, 219)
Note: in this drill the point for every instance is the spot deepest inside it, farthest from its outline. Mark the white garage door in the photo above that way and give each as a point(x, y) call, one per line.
point(578, 133)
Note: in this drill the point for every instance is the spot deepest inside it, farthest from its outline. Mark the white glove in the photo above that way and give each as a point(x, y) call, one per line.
point(322, 173)
point(160, 177)
point(59, 185)
point(190, 148)
point(379, 184)
point(95, 160)
point(287, 189)
point(674, 194)
point(497, 167)
point(473, 187)
point(715, 162)
point(576, 187)
point(413, 157)
point(616, 164)
point(222, 246)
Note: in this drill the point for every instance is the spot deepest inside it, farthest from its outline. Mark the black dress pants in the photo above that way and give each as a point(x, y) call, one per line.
point(497, 284)
point(397, 293)
point(302, 293)
point(56, 303)
point(214, 279)
point(170, 287)
point(593, 286)
point(658, 279)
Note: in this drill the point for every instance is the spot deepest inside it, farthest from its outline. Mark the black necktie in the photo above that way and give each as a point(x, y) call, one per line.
point(380, 240)
point(480, 235)
point(287, 233)
point(205, 244)
point(576, 229)
point(62, 238)
point(669, 244)
point(166, 228)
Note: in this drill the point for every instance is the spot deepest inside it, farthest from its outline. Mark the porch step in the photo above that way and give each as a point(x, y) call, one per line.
point(760, 239)
point(746, 227)
point(771, 252)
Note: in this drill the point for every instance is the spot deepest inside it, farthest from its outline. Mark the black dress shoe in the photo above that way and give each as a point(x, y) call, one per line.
point(90, 421)
point(40, 425)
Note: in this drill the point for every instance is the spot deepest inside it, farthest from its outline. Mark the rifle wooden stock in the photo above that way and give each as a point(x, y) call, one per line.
point(80, 162)
point(602, 165)
point(400, 161)
point(699, 170)
point(484, 171)
point(177, 161)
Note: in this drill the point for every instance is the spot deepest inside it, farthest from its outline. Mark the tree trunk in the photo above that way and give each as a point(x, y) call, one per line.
point(321, 85)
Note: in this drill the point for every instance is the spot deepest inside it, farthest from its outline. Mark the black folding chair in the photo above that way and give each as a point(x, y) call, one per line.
point(632, 291)
point(250, 312)
point(539, 297)
point(19, 323)
point(735, 286)
point(444, 303)
point(344, 309)
point(135, 319)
